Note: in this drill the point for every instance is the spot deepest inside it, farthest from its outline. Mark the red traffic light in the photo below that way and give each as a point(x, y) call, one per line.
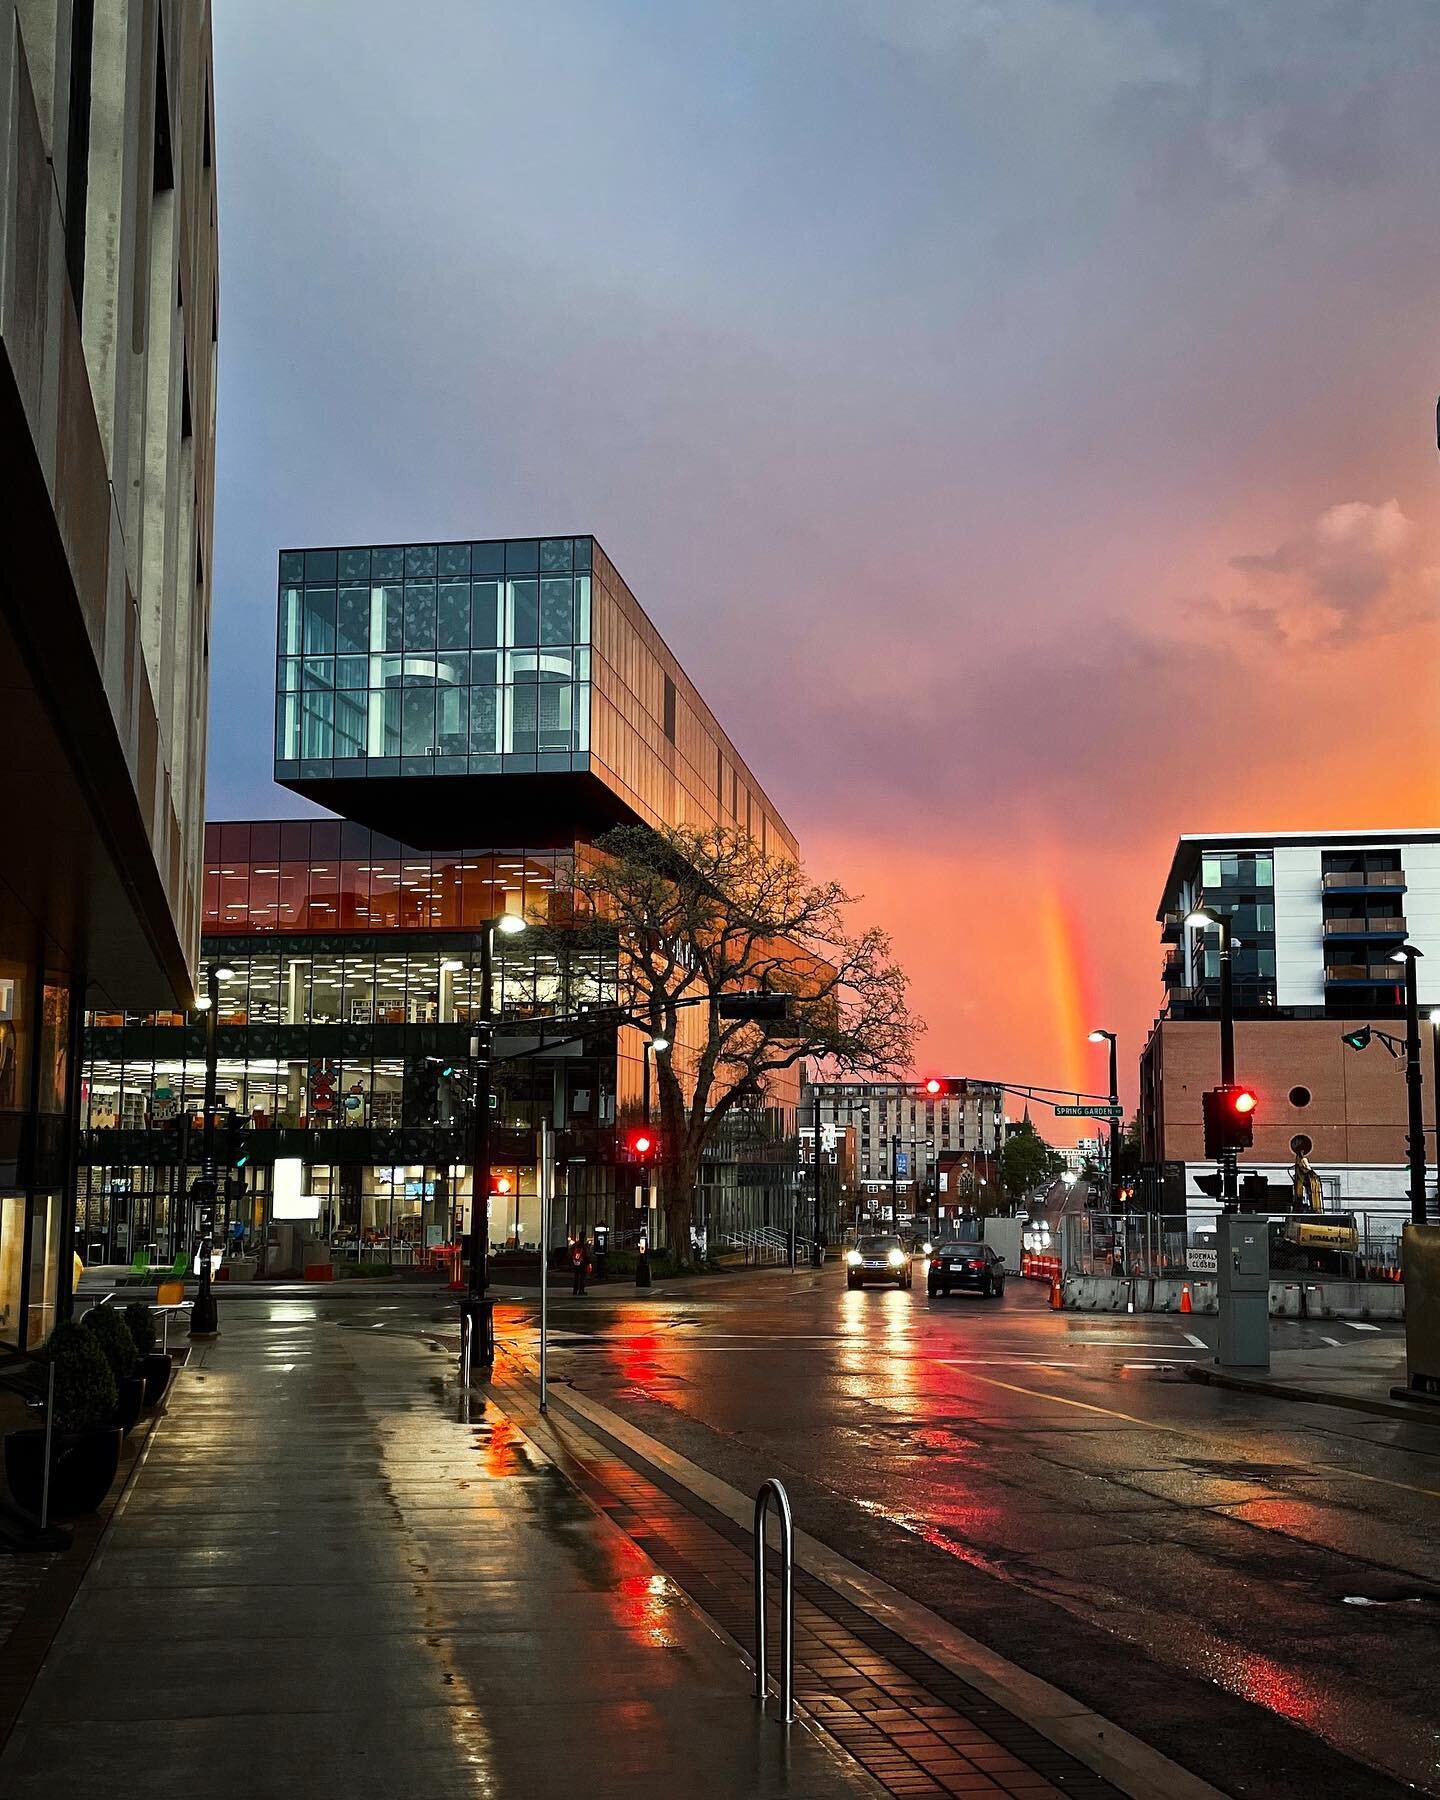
point(500, 1184)
point(641, 1143)
point(934, 1085)
point(1243, 1100)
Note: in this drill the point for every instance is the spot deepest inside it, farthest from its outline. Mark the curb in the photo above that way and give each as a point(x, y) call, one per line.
point(1110, 1752)
point(1279, 1390)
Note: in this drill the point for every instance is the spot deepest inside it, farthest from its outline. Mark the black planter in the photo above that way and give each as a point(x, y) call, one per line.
point(85, 1465)
point(157, 1367)
point(131, 1402)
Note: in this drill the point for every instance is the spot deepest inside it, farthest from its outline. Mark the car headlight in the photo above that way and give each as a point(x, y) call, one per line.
point(853, 1259)
point(896, 1258)
point(929, 1250)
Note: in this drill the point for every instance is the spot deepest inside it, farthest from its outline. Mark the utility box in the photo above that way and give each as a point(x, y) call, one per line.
point(1243, 1290)
point(1004, 1236)
point(1420, 1258)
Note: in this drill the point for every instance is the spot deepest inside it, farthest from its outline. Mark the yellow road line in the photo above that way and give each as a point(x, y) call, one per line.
point(1182, 1431)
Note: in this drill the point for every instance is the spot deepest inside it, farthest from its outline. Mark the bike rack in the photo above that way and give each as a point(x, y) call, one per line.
point(773, 1490)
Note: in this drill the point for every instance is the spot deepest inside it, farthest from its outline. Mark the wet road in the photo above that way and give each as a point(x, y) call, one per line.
point(1055, 1484)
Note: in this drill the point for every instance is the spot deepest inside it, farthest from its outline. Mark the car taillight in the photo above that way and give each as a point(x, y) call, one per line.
point(934, 1262)
point(977, 1265)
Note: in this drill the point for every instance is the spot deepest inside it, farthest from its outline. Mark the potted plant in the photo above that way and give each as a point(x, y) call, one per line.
point(113, 1336)
point(86, 1442)
point(155, 1365)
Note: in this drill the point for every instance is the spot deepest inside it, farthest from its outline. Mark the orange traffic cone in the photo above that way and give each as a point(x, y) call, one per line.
point(1185, 1305)
point(1057, 1295)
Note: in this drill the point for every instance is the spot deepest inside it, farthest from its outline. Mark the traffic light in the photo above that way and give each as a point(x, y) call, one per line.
point(937, 1087)
point(1358, 1039)
point(641, 1144)
point(499, 1184)
point(1229, 1114)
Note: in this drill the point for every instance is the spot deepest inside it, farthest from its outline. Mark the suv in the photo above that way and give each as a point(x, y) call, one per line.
point(878, 1259)
point(959, 1264)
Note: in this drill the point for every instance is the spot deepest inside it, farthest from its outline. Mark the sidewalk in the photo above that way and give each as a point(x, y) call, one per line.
point(321, 1581)
point(1359, 1376)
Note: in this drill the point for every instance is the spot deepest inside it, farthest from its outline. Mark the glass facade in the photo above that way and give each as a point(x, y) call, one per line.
point(434, 659)
point(509, 657)
point(37, 1019)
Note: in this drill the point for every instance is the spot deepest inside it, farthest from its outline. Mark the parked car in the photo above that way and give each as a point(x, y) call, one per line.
point(957, 1264)
point(878, 1259)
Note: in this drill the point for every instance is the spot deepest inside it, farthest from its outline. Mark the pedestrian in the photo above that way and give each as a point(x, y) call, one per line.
point(579, 1263)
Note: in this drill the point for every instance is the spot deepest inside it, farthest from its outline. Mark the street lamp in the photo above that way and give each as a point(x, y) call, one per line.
point(658, 1045)
point(205, 1315)
point(473, 1304)
point(1409, 955)
point(1435, 1092)
point(1100, 1036)
point(1203, 918)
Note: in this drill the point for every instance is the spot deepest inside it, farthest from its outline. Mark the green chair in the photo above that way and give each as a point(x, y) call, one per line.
point(180, 1266)
point(140, 1263)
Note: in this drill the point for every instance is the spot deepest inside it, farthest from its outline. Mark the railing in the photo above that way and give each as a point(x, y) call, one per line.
point(765, 1244)
point(1370, 878)
point(1391, 974)
point(1339, 927)
point(1145, 1246)
point(773, 1490)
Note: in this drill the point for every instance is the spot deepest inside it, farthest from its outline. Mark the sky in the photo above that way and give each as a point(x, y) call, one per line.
point(1017, 415)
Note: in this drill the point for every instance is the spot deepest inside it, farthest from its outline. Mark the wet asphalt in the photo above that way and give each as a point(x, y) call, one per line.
point(1251, 1585)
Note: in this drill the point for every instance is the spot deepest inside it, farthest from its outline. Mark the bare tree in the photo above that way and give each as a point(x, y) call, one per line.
point(702, 914)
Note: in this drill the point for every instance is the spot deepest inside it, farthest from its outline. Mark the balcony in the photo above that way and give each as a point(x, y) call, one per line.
point(1172, 970)
point(1378, 974)
point(1388, 927)
point(1363, 881)
point(1172, 928)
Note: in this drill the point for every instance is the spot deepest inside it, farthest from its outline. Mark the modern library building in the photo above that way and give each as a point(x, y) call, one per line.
point(477, 714)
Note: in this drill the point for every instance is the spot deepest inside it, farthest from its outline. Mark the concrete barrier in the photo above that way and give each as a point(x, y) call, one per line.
point(1312, 1297)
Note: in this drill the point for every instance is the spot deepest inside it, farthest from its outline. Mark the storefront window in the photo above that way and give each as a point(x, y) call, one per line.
point(12, 1258)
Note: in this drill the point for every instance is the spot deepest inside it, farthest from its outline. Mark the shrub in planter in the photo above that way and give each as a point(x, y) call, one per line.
point(155, 1365)
point(141, 1322)
point(86, 1442)
point(111, 1331)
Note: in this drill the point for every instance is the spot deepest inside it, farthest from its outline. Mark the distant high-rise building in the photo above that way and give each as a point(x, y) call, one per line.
point(108, 322)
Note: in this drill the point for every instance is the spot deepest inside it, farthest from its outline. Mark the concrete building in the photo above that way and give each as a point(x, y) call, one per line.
point(1318, 917)
point(901, 1133)
point(108, 324)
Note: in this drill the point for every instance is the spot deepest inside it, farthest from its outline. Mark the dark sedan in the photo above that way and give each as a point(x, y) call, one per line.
point(965, 1265)
point(878, 1259)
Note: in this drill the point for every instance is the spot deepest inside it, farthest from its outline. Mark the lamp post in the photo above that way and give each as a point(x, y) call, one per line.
point(473, 1304)
point(1203, 917)
point(656, 1046)
point(1435, 1093)
point(1409, 955)
point(1100, 1036)
point(205, 1315)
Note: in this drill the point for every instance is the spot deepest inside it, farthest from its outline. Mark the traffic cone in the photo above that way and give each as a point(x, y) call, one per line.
point(1185, 1305)
point(1057, 1295)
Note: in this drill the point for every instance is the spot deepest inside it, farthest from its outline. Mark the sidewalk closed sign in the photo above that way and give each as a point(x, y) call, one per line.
point(1203, 1262)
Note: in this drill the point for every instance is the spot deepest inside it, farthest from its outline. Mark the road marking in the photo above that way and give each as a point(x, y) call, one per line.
point(1198, 1342)
point(1334, 1343)
point(1109, 1412)
point(1358, 1325)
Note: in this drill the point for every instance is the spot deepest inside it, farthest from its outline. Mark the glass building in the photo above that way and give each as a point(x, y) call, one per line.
point(514, 686)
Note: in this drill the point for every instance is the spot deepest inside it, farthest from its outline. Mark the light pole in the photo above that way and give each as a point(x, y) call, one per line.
point(657, 1045)
point(473, 1305)
point(1100, 1036)
point(1435, 1093)
point(205, 1315)
point(1203, 917)
point(1415, 1109)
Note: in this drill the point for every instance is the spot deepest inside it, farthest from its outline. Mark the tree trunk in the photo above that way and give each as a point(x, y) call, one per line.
point(677, 1198)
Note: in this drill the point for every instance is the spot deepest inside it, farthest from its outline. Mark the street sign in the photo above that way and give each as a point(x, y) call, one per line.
point(1095, 1110)
point(1203, 1262)
point(902, 1162)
